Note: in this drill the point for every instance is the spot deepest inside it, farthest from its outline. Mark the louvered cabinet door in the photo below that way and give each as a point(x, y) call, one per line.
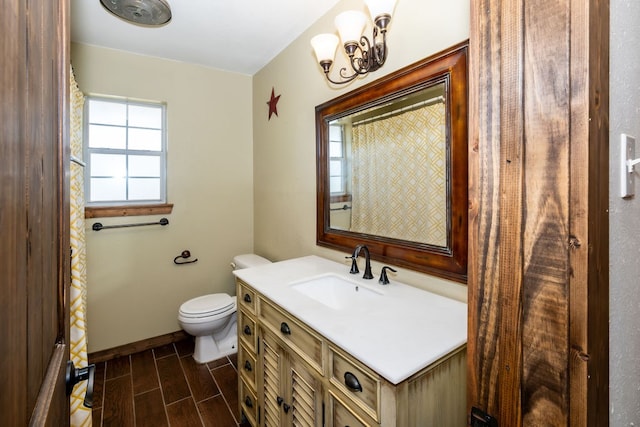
point(291, 393)
point(305, 395)
point(272, 369)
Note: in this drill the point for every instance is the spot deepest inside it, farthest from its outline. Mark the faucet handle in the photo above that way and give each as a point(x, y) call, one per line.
point(354, 264)
point(384, 280)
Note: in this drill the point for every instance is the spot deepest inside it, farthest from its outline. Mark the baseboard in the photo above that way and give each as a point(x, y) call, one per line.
point(135, 347)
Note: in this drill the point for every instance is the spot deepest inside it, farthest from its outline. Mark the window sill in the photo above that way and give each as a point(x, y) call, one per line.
point(137, 210)
point(340, 198)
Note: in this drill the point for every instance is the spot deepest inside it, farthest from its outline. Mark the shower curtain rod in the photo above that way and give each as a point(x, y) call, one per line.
point(373, 116)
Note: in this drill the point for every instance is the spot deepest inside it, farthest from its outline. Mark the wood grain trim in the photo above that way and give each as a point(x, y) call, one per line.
point(138, 210)
point(136, 347)
point(578, 224)
point(483, 355)
point(597, 304)
point(63, 156)
point(46, 412)
point(13, 211)
point(539, 247)
point(510, 263)
point(546, 213)
point(476, 47)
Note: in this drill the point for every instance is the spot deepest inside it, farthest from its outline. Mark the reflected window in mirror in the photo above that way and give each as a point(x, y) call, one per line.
point(338, 173)
point(392, 167)
point(339, 177)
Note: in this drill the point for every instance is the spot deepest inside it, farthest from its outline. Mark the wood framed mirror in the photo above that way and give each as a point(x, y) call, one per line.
point(392, 167)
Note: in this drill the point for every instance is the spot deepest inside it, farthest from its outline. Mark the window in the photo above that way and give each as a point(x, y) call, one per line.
point(337, 160)
point(125, 152)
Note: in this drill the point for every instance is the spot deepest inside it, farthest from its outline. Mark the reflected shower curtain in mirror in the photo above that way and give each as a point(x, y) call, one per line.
point(80, 415)
point(405, 150)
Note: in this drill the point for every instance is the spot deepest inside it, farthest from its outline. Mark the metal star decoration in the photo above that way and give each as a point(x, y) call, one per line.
point(273, 103)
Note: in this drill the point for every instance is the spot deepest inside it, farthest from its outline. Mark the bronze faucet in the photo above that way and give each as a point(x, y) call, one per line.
point(367, 258)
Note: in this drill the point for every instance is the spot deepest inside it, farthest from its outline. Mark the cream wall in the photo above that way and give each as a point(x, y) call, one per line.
point(284, 147)
point(134, 289)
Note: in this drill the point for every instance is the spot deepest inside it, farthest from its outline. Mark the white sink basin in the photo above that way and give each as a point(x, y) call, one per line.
point(336, 292)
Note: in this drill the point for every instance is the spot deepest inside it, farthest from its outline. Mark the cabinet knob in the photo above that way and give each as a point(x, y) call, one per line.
point(247, 366)
point(279, 400)
point(352, 382)
point(247, 330)
point(248, 402)
point(247, 298)
point(286, 408)
point(285, 329)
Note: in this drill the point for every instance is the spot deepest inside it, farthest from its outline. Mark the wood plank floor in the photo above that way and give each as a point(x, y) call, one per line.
point(164, 386)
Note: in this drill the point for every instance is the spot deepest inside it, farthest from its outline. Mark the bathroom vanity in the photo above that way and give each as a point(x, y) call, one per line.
point(321, 347)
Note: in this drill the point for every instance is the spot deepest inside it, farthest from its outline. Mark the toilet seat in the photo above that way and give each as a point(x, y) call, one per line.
point(207, 306)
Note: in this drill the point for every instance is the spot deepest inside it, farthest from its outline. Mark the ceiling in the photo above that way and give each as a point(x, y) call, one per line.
point(240, 36)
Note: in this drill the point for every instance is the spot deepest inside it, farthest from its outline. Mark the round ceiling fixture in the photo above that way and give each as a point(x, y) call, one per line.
point(141, 12)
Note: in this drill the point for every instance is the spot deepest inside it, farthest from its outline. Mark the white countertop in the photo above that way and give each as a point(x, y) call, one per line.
point(396, 335)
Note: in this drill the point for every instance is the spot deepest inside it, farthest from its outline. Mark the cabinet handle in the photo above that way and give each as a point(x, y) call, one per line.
point(247, 330)
point(279, 400)
point(247, 298)
point(286, 408)
point(284, 328)
point(352, 382)
point(248, 402)
point(247, 366)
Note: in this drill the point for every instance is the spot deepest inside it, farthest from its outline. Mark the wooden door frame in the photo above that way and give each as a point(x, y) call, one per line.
point(535, 67)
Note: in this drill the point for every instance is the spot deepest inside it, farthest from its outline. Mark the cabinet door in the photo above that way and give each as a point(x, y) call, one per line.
point(291, 392)
point(304, 394)
point(341, 416)
point(270, 382)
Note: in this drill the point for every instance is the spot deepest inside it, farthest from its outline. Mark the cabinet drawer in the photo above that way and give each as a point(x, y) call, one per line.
point(248, 402)
point(356, 381)
point(341, 416)
point(247, 366)
point(246, 297)
point(301, 339)
point(247, 331)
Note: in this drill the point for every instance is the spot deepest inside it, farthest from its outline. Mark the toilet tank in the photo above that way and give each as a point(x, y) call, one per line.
point(247, 261)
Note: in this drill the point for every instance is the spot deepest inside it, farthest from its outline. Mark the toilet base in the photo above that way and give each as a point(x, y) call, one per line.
point(208, 350)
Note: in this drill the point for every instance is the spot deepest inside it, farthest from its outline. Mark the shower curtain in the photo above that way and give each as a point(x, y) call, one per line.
point(380, 161)
point(80, 415)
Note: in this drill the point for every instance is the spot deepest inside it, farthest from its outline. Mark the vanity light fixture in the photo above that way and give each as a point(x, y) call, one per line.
point(364, 55)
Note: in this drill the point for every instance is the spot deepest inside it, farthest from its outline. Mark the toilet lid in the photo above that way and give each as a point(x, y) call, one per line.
point(207, 305)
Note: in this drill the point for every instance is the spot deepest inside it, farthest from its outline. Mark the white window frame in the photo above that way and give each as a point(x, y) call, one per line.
point(343, 163)
point(126, 151)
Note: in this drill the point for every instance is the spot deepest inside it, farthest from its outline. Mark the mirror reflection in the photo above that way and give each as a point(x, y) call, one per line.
point(392, 167)
point(388, 169)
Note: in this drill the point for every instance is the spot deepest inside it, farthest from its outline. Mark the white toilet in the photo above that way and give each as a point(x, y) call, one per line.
point(211, 319)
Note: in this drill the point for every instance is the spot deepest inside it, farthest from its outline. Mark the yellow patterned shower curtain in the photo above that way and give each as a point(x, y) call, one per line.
point(80, 415)
point(380, 161)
